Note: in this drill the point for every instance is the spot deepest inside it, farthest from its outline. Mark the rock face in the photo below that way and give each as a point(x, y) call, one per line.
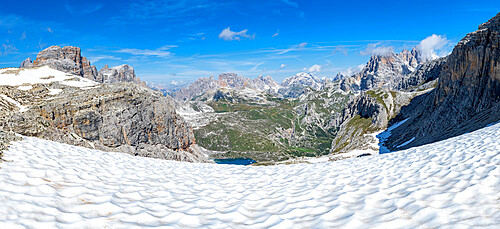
point(122, 73)
point(123, 117)
point(427, 72)
point(26, 63)
point(67, 59)
point(467, 96)
point(296, 85)
point(266, 84)
point(383, 71)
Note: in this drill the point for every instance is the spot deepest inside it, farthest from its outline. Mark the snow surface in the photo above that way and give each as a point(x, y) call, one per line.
point(43, 75)
point(10, 100)
point(452, 183)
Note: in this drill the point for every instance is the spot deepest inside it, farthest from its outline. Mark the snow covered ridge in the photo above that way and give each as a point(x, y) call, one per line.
point(43, 75)
point(455, 182)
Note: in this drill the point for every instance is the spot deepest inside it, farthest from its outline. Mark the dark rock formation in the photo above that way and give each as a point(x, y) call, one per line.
point(26, 63)
point(427, 72)
point(466, 98)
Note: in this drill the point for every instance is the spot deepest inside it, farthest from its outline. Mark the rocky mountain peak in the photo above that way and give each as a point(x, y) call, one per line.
point(493, 23)
point(26, 63)
point(67, 59)
point(383, 71)
point(122, 73)
point(70, 60)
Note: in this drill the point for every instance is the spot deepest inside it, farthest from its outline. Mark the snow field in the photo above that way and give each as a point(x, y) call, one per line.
point(451, 184)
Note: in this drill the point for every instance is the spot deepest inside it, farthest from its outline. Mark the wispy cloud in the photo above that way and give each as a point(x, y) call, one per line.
point(229, 35)
point(7, 49)
point(293, 48)
point(23, 36)
point(160, 52)
point(255, 67)
point(291, 3)
point(168, 9)
point(277, 33)
point(95, 59)
point(49, 30)
point(376, 49)
point(82, 9)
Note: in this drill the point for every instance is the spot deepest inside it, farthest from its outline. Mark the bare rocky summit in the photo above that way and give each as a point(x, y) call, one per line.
point(26, 63)
point(67, 59)
point(122, 73)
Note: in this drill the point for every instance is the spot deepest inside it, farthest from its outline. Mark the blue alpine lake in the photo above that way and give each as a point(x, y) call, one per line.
point(235, 161)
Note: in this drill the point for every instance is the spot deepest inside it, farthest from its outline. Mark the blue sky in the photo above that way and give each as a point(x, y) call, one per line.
point(184, 40)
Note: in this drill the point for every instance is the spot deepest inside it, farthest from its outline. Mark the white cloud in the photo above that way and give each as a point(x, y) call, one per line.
point(376, 49)
point(49, 30)
point(282, 66)
point(302, 45)
point(430, 45)
point(23, 36)
point(229, 35)
point(315, 68)
point(161, 52)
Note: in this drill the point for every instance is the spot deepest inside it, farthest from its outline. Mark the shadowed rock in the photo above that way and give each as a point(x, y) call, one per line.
point(467, 96)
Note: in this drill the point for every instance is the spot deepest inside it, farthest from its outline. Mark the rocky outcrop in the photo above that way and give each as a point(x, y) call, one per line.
point(67, 59)
point(427, 72)
point(383, 71)
point(467, 96)
point(26, 63)
point(122, 73)
point(365, 114)
point(123, 117)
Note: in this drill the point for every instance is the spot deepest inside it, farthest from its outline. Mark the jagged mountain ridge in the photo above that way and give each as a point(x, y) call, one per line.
point(383, 70)
point(69, 59)
point(225, 80)
point(467, 95)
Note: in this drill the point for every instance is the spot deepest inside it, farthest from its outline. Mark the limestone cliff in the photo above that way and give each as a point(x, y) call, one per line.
point(467, 96)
